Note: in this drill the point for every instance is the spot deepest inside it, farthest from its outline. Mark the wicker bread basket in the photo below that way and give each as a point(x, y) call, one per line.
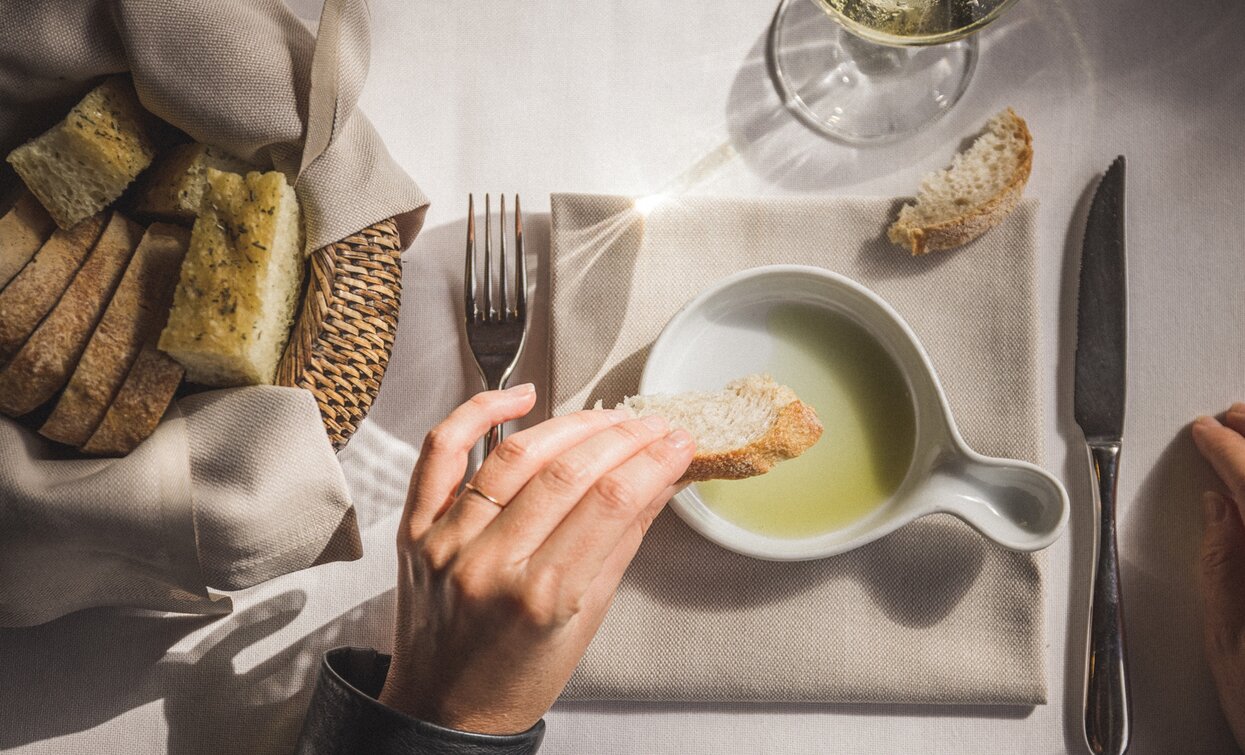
point(341, 341)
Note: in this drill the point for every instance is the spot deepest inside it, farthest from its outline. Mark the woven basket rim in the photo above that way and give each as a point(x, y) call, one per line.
point(343, 337)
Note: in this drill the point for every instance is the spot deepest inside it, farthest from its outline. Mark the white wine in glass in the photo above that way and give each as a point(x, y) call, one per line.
point(914, 22)
point(886, 68)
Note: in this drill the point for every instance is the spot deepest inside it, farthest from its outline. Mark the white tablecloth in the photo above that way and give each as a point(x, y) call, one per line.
point(644, 96)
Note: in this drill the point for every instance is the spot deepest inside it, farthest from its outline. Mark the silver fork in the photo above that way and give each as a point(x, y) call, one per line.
point(495, 335)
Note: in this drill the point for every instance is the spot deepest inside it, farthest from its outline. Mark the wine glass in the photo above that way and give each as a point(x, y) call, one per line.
point(875, 70)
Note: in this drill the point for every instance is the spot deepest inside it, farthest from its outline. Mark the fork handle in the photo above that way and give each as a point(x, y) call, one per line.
point(493, 438)
point(495, 434)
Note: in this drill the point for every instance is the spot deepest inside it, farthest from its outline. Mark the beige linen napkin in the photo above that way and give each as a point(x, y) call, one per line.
point(234, 73)
point(219, 497)
point(239, 486)
point(930, 614)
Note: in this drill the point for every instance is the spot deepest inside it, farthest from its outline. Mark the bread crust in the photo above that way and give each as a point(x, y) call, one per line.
point(964, 228)
point(35, 290)
point(144, 397)
point(794, 431)
point(23, 229)
point(132, 319)
point(45, 362)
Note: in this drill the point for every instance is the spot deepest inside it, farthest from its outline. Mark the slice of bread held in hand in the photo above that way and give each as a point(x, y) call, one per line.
point(741, 431)
point(35, 290)
point(133, 319)
point(80, 165)
point(45, 362)
point(138, 406)
point(982, 186)
point(23, 229)
point(173, 189)
point(240, 282)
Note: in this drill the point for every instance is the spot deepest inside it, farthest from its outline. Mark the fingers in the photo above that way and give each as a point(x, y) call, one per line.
point(1224, 448)
point(443, 459)
point(586, 538)
point(1222, 567)
point(602, 589)
point(1221, 575)
point(516, 461)
point(1235, 417)
point(547, 498)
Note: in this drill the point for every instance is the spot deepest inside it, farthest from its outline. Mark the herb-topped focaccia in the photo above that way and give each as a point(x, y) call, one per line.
point(240, 281)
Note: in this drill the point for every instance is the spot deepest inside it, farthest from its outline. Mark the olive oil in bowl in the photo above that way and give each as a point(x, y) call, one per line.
point(834, 365)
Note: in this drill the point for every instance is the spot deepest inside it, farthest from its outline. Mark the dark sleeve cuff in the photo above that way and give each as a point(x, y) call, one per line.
point(345, 717)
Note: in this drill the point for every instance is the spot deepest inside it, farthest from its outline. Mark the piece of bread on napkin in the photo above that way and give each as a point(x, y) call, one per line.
point(23, 229)
point(138, 406)
point(173, 189)
point(45, 362)
point(80, 165)
point(741, 431)
point(240, 282)
point(133, 318)
point(35, 290)
point(982, 186)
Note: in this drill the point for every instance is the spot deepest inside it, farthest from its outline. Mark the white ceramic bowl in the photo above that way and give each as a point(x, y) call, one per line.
point(722, 334)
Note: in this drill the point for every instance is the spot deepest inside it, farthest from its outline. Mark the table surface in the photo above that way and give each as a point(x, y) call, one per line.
point(646, 96)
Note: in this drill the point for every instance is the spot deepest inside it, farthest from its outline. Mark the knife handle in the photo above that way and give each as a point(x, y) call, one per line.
point(1107, 701)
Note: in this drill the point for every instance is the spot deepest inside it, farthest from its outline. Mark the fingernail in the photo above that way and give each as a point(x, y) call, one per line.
point(679, 439)
point(521, 390)
point(1206, 421)
point(1237, 408)
point(655, 422)
point(1214, 507)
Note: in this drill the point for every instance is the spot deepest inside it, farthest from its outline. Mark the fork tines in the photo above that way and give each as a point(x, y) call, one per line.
point(489, 313)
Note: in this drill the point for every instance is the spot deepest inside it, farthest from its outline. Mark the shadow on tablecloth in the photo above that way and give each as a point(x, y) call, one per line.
point(89, 668)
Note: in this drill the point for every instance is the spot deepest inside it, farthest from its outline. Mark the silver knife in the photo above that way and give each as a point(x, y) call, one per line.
point(1098, 404)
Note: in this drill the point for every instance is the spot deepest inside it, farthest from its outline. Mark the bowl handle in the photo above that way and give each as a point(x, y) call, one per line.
point(1014, 503)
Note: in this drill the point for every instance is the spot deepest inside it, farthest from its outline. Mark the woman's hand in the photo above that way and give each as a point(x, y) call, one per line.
point(497, 602)
point(1223, 561)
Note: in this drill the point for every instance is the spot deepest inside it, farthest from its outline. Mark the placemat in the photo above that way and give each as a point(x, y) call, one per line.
point(933, 613)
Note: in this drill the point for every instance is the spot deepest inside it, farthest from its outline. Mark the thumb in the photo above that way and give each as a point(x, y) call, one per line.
point(1222, 573)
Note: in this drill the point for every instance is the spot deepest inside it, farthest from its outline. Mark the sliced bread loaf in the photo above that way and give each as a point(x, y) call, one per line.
point(982, 186)
point(80, 165)
point(43, 365)
point(740, 431)
point(173, 189)
point(138, 405)
point(23, 229)
point(35, 290)
point(133, 318)
point(240, 282)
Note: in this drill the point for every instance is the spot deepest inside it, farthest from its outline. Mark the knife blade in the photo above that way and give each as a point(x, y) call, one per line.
point(1098, 406)
point(1098, 400)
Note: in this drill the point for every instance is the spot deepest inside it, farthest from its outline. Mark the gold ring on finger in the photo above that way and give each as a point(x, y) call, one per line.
point(469, 488)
